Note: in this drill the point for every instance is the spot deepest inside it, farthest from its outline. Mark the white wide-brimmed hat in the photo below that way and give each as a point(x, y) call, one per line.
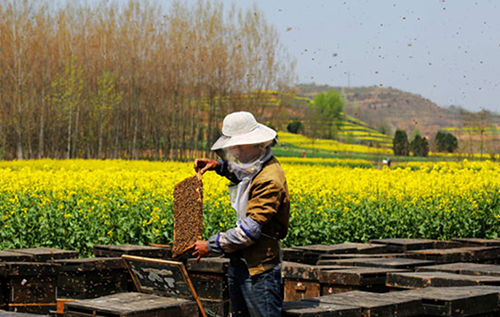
point(240, 128)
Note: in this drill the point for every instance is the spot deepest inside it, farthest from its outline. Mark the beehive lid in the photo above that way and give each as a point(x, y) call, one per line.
point(188, 214)
point(161, 277)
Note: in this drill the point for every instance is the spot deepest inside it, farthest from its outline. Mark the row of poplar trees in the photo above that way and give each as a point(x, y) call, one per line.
point(131, 81)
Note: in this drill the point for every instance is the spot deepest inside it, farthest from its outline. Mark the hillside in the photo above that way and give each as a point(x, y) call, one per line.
point(392, 109)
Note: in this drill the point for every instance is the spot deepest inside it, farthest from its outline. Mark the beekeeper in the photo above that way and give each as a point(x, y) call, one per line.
point(259, 195)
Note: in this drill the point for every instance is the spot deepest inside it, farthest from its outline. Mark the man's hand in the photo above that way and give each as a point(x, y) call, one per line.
point(200, 250)
point(203, 165)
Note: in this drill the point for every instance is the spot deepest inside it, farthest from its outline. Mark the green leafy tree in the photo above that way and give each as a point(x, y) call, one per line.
point(401, 146)
point(419, 146)
point(445, 142)
point(329, 108)
point(295, 127)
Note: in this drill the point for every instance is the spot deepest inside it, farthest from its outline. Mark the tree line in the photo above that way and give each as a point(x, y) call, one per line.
point(132, 81)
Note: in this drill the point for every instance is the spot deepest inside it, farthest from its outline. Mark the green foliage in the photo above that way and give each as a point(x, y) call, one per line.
point(401, 146)
point(419, 146)
point(295, 127)
point(327, 114)
point(445, 142)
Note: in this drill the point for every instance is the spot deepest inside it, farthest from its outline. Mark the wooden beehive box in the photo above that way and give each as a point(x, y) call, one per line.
point(113, 251)
point(10, 256)
point(131, 304)
point(474, 242)
point(209, 278)
point(29, 287)
point(46, 254)
point(302, 280)
point(412, 280)
point(355, 278)
point(188, 214)
point(311, 254)
point(456, 301)
point(404, 245)
point(391, 263)
point(91, 277)
point(463, 268)
point(330, 259)
point(373, 304)
point(466, 254)
point(164, 290)
point(315, 308)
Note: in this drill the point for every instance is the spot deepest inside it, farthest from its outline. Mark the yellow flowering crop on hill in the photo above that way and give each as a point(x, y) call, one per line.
point(75, 204)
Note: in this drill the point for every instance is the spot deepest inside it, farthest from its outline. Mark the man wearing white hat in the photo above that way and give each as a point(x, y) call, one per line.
point(259, 194)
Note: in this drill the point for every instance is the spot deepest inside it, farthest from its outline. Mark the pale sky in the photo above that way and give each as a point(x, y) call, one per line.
point(445, 50)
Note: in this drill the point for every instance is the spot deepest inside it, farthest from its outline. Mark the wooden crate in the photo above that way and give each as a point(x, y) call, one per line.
point(209, 278)
point(312, 253)
point(10, 256)
point(293, 255)
point(373, 304)
point(366, 248)
point(46, 254)
point(314, 308)
point(29, 287)
point(302, 280)
point(477, 242)
point(91, 277)
point(113, 251)
point(391, 263)
point(466, 254)
point(463, 268)
point(131, 304)
point(404, 245)
point(330, 259)
point(355, 278)
point(412, 280)
point(455, 301)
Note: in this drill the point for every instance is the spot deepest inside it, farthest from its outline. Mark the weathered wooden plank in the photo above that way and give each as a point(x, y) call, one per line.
point(46, 254)
point(293, 255)
point(213, 265)
point(129, 249)
point(462, 268)
point(329, 259)
point(357, 276)
point(478, 241)
point(412, 280)
point(314, 308)
point(404, 245)
point(393, 263)
point(299, 271)
point(9, 256)
point(373, 305)
point(331, 248)
point(466, 254)
point(455, 301)
point(132, 304)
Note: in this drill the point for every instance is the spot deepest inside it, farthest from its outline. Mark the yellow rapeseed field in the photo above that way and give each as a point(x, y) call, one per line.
point(75, 204)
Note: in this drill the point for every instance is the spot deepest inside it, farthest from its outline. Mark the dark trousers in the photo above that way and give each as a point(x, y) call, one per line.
point(255, 296)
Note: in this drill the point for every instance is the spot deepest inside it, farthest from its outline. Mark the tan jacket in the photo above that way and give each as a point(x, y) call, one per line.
point(269, 205)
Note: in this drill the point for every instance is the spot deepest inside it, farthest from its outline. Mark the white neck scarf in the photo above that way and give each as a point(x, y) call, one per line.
point(245, 173)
